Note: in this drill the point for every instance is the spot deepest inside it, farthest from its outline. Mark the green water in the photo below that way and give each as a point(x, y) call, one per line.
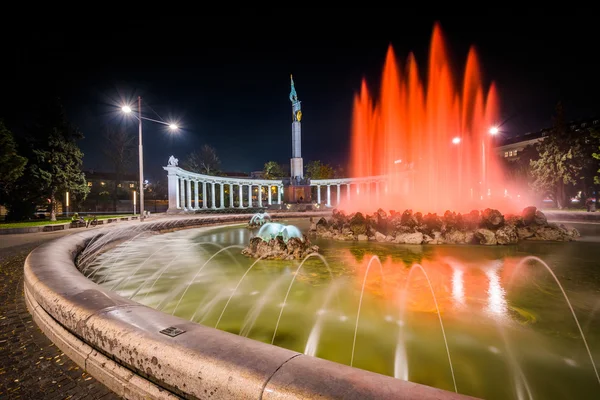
point(509, 330)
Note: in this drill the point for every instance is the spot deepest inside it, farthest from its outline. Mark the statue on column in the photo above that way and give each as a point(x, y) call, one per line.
point(173, 161)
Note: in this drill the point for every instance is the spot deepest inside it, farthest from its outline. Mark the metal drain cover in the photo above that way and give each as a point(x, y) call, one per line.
point(172, 331)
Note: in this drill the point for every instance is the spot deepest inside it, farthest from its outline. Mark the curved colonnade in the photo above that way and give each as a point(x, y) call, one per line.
point(190, 191)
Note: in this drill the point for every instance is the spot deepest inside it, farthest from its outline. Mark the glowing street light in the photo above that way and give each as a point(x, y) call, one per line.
point(127, 110)
point(456, 140)
point(493, 130)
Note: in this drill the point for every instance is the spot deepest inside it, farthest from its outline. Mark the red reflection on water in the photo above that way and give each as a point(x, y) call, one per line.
point(408, 134)
point(456, 284)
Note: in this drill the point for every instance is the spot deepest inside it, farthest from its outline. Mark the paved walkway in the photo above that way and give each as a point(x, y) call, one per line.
point(31, 366)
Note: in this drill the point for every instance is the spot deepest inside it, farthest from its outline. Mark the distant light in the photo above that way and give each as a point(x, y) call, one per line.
point(397, 161)
point(494, 130)
point(173, 127)
point(456, 140)
point(126, 109)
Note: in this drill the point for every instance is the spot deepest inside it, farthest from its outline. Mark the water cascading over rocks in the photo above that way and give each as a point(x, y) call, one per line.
point(276, 241)
point(488, 227)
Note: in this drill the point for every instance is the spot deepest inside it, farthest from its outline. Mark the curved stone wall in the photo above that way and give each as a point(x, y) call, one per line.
point(118, 341)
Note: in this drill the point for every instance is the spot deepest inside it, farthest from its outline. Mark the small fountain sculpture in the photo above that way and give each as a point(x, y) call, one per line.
point(259, 219)
point(275, 241)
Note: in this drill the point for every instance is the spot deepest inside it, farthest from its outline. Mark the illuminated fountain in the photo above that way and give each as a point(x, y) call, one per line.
point(434, 138)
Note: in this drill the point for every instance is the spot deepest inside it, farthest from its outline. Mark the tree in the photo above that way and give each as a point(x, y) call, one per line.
point(119, 149)
point(560, 163)
point(203, 161)
point(318, 170)
point(58, 168)
point(596, 136)
point(12, 165)
point(273, 170)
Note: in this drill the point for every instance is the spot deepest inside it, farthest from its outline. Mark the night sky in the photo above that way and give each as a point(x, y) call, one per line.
point(225, 79)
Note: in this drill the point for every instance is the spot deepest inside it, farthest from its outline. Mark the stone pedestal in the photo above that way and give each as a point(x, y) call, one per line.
point(297, 194)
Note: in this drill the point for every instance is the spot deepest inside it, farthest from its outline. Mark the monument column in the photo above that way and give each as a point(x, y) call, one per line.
point(279, 192)
point(250, 196)
point(269, 197)
point(328, 195)
point(231, 195)
point(338, 194)
point(204, 199)
point(318, 194)
point(196, 197)
point(241, 205)
point(296, 163)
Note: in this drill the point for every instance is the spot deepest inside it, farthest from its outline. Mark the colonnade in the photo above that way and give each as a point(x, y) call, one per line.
point(369, 185)
point(192, 191)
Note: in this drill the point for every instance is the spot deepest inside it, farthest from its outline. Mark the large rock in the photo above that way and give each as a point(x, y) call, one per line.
point(409, 238)
point(278, 249)
point(507, 235)
point(486, 237)
point(491, 219)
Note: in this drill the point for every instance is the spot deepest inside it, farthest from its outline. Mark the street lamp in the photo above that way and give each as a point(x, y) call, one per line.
point(127, 110)
point(494, 130)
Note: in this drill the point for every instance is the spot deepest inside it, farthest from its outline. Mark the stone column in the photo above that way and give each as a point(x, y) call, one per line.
point(328, 195)
point(204, 195)
point(279, 192)
point(348, 190)
point(182, 190)
point(269, 195)
point(212, 196)
point(196, 197)
point(259, 195)
point(189, 193)
point(338, 194)
point(318, 194)
point(231, 195)
point(241, 205)
point(173, 186)
point(250, 196)
point(222, 205)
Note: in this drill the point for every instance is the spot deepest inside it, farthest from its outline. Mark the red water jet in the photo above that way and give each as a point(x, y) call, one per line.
point(409, 135)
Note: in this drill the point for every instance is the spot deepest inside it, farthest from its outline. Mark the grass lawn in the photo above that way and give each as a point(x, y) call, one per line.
point(25, 224)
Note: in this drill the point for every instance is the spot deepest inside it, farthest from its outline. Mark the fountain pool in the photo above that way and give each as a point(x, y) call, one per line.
point(490, 322)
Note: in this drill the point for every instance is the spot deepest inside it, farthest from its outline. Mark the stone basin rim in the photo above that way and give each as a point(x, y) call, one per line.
point(117, 341)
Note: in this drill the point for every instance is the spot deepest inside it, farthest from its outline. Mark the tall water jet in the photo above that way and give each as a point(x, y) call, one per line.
point(410, 135)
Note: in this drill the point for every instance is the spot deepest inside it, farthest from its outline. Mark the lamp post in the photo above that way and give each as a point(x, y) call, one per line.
point(127, 110)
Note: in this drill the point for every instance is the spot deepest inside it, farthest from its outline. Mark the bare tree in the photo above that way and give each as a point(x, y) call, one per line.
point(119, 149)
point(203, 161)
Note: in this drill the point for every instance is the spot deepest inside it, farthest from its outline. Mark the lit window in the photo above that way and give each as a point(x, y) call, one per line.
point(515, 153)
point(89, 183)
point(131, 185)
point(119, 185)
point(506, 154)
point(102, 183)
point(510, 153)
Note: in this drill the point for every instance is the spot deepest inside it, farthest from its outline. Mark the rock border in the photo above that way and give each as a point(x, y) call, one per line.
point(488, 227)
point(119, 341)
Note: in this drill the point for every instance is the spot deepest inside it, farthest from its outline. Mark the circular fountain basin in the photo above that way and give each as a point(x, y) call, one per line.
point(140, 352)
point(487, 322)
